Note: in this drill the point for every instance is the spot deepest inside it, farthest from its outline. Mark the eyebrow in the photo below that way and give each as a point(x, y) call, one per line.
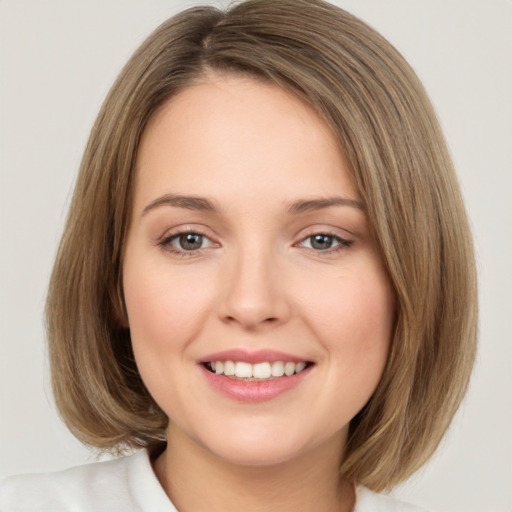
point(187, 202)
point(205, 205)
point(310, 205)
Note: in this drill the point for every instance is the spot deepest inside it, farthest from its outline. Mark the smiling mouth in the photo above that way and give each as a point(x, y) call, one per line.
point(241, 370)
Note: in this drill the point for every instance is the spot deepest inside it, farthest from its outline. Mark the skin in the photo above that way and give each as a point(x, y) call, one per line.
point(252, 149)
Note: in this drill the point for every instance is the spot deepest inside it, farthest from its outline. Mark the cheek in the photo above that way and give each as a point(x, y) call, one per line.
point(164, 308)
point(353, 317)
point(165, 312)
point(356, 305)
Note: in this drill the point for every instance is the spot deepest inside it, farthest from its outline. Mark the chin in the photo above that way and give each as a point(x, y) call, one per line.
point(257, 455)
point(257, 448)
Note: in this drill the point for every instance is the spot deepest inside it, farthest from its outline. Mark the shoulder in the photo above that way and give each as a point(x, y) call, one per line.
point(369, 501)
point(127, 484)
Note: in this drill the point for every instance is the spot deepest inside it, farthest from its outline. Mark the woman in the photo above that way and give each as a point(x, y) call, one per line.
point(266, 279)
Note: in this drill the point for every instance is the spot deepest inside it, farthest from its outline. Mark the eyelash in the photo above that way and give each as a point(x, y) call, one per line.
point(342, 243)
point(166, 243)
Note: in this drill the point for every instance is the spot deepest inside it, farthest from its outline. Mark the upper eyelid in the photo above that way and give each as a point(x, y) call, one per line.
point(325, 233)
point(341, 240)
point(337, 232)
point(184, 229)
point(167, 239)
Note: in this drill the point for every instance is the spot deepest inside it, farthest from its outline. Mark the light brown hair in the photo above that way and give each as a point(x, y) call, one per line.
point(388, 131)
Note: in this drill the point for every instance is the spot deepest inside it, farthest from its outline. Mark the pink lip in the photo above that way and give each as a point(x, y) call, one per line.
point(253, 357)
point(253, 391)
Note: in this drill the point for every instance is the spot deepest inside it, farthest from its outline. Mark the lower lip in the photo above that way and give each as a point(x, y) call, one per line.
point(254, 391)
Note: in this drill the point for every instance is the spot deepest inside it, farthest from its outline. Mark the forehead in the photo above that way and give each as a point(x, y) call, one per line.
point(228, 134)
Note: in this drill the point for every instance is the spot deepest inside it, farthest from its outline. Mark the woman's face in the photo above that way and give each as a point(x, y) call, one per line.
point(259, 309)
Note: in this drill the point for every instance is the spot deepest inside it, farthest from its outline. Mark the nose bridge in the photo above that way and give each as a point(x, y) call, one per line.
point(253, 292)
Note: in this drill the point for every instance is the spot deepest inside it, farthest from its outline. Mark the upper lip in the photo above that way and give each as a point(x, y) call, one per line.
point(252, 356)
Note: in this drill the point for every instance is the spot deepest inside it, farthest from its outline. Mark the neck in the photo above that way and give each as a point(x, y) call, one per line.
point(196, 479)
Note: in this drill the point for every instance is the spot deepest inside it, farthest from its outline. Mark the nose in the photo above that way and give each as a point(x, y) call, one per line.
point(253, 292)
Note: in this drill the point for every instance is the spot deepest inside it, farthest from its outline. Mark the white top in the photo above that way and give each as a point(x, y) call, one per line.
point(127, 484)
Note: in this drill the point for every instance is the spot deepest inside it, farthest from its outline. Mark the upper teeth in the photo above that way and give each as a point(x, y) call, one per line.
point(264, 370)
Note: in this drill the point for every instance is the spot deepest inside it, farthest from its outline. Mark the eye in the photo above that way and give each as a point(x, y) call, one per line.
point(324, 242)
point(186, 242)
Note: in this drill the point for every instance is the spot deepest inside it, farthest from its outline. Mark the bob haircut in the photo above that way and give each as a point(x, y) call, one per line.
point(386, 127)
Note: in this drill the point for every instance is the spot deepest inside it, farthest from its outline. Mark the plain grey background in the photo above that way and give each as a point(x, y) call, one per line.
point(57, 61)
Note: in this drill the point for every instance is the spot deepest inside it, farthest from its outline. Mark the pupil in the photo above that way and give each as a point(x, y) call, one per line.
point(191, 241)
point(321, 242)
